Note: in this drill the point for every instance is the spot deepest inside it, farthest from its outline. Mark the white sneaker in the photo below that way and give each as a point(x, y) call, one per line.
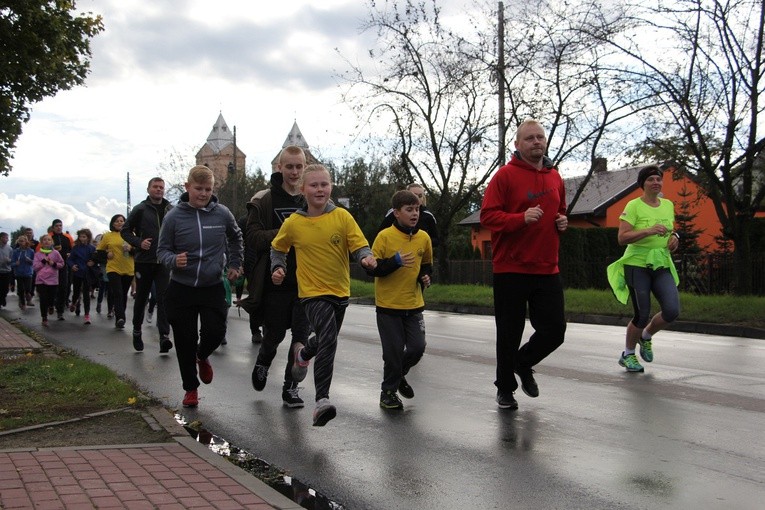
point(323, 413)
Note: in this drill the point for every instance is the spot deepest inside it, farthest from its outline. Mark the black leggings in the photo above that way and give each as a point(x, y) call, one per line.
point(641, 281)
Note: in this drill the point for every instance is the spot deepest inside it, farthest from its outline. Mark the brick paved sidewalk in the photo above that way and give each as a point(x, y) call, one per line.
point(179, 475)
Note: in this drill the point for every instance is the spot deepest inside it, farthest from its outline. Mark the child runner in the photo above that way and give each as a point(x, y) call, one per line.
point(322, 235)
point(80, 261)
point(404, 264)
point(199, 238)
point(21, 263)
point(46, 264)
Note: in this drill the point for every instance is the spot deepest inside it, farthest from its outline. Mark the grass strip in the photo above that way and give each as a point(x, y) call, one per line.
point(36, 388)
point(718, 309)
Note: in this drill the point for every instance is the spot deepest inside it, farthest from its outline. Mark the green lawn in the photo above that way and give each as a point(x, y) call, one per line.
point(725, 309)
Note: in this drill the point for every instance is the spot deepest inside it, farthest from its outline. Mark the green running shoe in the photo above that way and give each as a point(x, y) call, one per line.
point(631, 363)
point(646, 350)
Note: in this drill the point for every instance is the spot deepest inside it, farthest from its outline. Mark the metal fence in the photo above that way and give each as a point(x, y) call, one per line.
point(699, 274)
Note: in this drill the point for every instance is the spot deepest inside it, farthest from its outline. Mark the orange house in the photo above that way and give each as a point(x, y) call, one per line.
point(605, 196)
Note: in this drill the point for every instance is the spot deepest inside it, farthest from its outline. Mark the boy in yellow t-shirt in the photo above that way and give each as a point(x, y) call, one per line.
point(404, 264)
point(322, 235)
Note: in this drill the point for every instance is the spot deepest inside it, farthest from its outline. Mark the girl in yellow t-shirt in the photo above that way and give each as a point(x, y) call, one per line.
point(322, 235)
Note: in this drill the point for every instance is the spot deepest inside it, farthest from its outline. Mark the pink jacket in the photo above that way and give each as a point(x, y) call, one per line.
point(47, 266)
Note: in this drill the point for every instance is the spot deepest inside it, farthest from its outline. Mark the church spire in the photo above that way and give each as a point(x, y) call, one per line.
point(220, 136)
point(295, 137)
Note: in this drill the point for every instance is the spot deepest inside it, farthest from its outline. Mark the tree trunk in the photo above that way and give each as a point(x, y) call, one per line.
point(742, 256)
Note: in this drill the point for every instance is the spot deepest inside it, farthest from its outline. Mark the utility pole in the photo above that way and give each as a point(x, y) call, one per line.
point(501, 80)
point(232, 180)
point(128, 195)
point(236, 182)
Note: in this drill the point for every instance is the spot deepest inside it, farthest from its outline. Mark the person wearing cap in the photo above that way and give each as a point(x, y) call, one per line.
point(646, 228)
point(525, 208)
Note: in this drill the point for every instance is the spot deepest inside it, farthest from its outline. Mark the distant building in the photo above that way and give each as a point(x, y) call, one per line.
point(218, 152)
point(295, 137)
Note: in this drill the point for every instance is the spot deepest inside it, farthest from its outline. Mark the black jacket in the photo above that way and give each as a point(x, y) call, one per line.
point(426, 222)
point(144, 221)
point(266, 212)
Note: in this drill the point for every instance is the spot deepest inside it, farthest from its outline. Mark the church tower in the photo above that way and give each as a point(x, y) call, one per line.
point(295, 137)
point(220, 152)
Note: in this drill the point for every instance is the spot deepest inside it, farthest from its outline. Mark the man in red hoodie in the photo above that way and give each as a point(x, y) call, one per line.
point(524, 207)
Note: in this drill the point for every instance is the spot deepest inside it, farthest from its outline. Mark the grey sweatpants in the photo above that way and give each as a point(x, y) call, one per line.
point(403, 344)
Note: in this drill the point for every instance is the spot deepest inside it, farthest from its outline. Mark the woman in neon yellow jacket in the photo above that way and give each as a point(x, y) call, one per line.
point(646, 267)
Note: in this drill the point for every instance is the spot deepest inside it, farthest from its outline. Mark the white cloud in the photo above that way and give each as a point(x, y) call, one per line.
point(39, 212)
point(160, 74)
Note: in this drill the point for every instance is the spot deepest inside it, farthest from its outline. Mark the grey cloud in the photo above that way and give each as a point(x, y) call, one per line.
point(171, 41)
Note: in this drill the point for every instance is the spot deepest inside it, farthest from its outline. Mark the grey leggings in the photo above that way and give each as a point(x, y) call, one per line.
point(641, 282)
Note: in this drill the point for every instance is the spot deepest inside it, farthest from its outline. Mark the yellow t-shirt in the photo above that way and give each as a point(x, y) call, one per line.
point(401, 289)
point(120, 263)
point(322, 246)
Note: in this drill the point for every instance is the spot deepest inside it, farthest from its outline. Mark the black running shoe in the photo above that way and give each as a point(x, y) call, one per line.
point(290, 395)
point(528, 384)
point(259, 377)
point(137, 341)
point(506, 400)
point(165, 344)
point(389, 400)
point(404, 389)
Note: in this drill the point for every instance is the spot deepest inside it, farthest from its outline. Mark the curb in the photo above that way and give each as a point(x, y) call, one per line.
point(182, 437)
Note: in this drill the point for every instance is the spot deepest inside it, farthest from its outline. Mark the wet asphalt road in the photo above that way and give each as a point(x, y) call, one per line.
point(686, 434)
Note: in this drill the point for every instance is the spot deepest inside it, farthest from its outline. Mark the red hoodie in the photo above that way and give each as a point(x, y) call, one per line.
point(516, 246)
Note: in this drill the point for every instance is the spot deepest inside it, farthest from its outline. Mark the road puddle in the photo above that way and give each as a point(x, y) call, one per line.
point(271, 475)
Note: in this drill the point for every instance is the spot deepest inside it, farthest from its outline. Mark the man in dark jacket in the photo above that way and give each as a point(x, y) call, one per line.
point(141, 230)
point(427, 221)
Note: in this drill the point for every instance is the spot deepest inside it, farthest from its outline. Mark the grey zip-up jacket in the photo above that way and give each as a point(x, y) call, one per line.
point(210, 237)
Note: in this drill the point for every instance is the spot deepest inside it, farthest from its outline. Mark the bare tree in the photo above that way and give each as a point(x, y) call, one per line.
point(436, 89)
point(437, 102)
point(561, 74)
point(174, 171)
point(703, 60)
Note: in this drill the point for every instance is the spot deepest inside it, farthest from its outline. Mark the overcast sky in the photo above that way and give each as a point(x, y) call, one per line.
point(161, 72)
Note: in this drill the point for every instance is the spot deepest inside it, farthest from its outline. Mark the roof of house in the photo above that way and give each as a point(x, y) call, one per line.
point(603, 189)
